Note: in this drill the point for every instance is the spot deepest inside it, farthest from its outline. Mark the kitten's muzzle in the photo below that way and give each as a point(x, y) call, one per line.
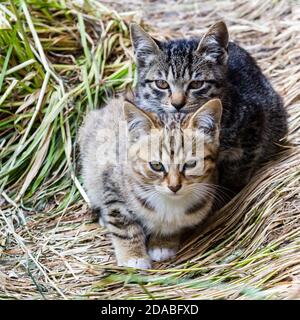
point(178, 106)
point(178, 100)
point(175, 188)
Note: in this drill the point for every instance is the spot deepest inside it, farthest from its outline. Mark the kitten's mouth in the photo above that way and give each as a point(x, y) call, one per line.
point(186, 109)
point(173, 195)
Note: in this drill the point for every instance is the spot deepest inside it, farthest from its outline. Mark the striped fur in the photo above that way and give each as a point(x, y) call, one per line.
point(145, 210)
point(181, 75)
point(180, 62)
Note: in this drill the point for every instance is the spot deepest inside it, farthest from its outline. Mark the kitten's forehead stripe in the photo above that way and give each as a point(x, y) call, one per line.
point(180, 54)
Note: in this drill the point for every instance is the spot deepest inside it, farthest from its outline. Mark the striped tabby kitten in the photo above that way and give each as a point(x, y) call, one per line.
point(148, 200)
point(180, 75)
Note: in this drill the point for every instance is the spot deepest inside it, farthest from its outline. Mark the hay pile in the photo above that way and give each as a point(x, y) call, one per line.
point(60, 60)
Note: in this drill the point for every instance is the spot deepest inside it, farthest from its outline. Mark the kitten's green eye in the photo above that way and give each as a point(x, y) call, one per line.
point(196, 84)
point(157, 166)
point(190, 164)
point(162, 84)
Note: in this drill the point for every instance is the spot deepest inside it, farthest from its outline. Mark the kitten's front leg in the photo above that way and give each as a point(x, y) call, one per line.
point(163, 247)
point(128, 240)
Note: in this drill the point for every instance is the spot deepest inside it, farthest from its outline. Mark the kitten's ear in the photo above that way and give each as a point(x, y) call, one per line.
point(137, 119)
point(144, 45)
point(213, 45)
point(208, 117)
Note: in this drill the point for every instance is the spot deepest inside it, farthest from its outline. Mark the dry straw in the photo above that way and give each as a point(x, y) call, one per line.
point(59, 60)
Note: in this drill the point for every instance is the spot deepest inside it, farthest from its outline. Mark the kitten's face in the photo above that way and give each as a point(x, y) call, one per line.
point(180, 75)
point(181, 153)
point(175, 180)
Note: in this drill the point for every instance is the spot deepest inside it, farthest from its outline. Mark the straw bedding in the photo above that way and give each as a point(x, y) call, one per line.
point(50, 245)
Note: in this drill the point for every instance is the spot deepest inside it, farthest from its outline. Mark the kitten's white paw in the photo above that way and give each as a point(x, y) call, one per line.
point(138, 263)
point(160, 254)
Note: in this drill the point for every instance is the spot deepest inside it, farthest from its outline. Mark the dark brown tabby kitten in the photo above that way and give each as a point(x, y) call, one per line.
point(181, 75)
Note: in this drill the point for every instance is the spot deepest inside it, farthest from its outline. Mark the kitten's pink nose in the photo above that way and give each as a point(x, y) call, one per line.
point(175, 188)
point(178, 100)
